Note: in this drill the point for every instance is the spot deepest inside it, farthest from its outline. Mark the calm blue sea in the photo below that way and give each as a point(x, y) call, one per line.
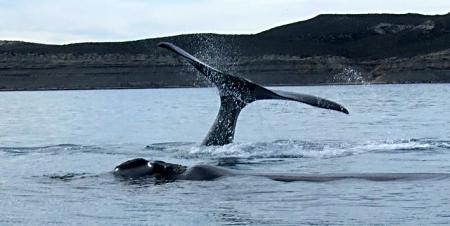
point(57, 149)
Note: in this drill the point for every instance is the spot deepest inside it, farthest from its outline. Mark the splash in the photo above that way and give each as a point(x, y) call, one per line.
point(350, 75)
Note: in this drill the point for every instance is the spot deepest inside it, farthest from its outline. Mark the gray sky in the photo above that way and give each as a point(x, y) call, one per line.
point(68, 21)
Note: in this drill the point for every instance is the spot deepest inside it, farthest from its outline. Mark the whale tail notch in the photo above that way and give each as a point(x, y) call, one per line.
point(236, 92)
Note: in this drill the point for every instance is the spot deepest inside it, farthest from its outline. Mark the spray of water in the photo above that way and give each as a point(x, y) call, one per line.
point(350, 75)
point(216, 51)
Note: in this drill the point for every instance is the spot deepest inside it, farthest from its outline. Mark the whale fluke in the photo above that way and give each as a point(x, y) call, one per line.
point(236, 93)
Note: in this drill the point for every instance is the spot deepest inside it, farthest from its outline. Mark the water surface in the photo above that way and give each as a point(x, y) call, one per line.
point(58, 147)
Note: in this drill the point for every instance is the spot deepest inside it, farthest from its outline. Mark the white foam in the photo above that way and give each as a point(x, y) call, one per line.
point(302, 149)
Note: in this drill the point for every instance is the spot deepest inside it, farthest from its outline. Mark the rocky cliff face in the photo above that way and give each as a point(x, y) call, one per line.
point(327, 49)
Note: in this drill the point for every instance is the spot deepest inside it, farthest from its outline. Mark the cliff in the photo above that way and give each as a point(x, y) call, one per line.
point(327, 49)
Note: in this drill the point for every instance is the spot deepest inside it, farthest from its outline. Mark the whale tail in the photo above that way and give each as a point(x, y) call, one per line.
point(236, 93)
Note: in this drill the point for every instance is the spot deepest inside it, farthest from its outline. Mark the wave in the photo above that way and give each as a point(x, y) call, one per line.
point(53, 149)
point(277, 149)
point(398, 146)
point(67, 176)
point(304, 149)
point(68, 149)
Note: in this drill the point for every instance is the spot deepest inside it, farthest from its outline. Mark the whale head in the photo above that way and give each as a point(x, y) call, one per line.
point(134, 168)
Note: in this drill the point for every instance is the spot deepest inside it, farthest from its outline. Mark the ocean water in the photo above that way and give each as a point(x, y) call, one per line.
point(57, 149)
